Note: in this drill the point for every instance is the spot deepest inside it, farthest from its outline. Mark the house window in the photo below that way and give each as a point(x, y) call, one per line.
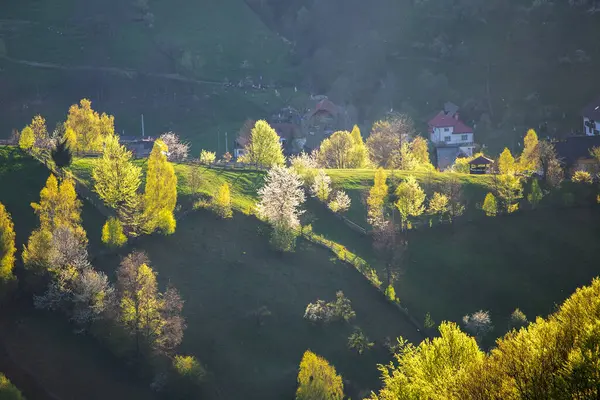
point(464, 138)
point(446, 129)
point(447, 138)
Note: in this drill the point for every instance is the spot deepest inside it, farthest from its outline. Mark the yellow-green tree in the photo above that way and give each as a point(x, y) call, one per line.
point(490, 206)
point(40, 131)
point(160, 195)
point(222, 201)
point(264, 148)
point(70, 137)
point(7, 245)
point(377, 197)
point(420, 151)
point(336, 151)
point(360, 153)
point(90, 129)
point(27, 138)
point(506, 162)
point(112, 233)
point(438, 205)
point(116, 178)
point(530, 156)
point(36, 254)
point(317, 380)
point(410, 199)
point(509, 191)
point(535, 194)
point(8, 391)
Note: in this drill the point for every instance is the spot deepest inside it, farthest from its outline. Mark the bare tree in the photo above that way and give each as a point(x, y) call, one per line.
point(453, 190)
point(386, 139)
point(390, 244)
point(174, 324)
point(92, 294)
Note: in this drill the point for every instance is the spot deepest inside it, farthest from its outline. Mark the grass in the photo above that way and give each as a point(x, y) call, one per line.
point(225, 270)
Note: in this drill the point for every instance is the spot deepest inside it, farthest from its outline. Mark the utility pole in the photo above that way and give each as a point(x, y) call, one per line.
point(226, 148)
point(143, 131)
point(218, 142)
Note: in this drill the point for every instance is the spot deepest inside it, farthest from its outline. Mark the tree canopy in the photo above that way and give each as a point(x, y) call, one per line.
point(89, 129)
point(160, 195)
point(7, 245)
point(264, 148)
point(317, 380)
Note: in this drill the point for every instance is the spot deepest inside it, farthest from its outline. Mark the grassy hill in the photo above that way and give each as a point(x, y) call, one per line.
point(203, 41)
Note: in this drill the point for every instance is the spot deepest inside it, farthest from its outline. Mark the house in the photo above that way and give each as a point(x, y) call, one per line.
point(591, 118)
point(139, 146)
point(450, 136)
point(480, 165)
point(574, 152)
point(323, 119)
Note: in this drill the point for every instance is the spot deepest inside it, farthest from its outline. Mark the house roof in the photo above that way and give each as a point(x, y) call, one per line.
point(592, 110)
point(446, 156)
point(443, 120)
point(576, 147)
point(325, 105)
point(482, 160)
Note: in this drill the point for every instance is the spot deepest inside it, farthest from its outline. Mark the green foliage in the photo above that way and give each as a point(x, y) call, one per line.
point(160, 195)
point(438, 205)
point(582, 177)
point(490, 206)
point(317, 380)
point(116, 178)
point(508, 191)
point(61, 154)
point(506, 162)
point(337, 151)
point(27, 138)
point(8, 391)
point(358, 342)
point(283, 237)
point(112, 233)
point(390, 293)
point(420, 151)
point(188, 368)
point(529, 160)
point(222, 202)
point(342, 307)
point(518, 320)
point(535, 194)
point(88, 128)
point(321, 187)
point(377, 197)
point(264, 148)
point(428, 323)
point(40, 131)
point(305, 166)
point(207, 157)
point(360, 153)
point(7, 245)
point(36, 253)
point(410, 199)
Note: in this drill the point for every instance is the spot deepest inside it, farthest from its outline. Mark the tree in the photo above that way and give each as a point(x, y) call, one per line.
point(420, 151)
point(490, 207)
point(337, 151)
point(478, 324)
point(359, 341)
point(173, 322)
point(7, 246)
point(207, 157)
point(535, 194)
point(518, 319)
point(506, 163)
point(89, 128)
point(386, 140)
point(390, 246)
point(318, 380)
point(321, 188)
point(550, 164)
point(410, 199)
point(452, 188)
point(61, 154)
point(582, 177)
point(222, 202)
point(509, 191)
point(377, 197)
point(529, 157)
point(36, 252)
point(91, 296)
point(40, 131)
point(360, 153)
point(264, 148)
point(27, 139)
point(116, 178)
point(194, 179)
point(438, 205)
point(8, 391)
point(406, 160)
point(178, 150)
point(340, 203)
point(160, 195)
point(280, 201)
point(305, 165)
point(112, 233)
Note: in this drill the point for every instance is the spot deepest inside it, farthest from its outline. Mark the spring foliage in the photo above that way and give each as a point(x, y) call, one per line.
point(160, 195)
point(112, 233)
point(490, 206)
point(264, 148)
point(360, 153)
point(506, 162)
point(410, 199)
point(8, 391)
point(318, 380)
point(535, 194)
point(222, 202)
point(377, 197)
point(340, 202)
point(337, 151)
point(529, 157)
point(321, 188)
point(7, 245)
point(116, 178)
point(89, 129)
point(27, 138)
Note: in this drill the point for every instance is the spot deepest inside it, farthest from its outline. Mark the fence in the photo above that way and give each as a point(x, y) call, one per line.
point(232, 165)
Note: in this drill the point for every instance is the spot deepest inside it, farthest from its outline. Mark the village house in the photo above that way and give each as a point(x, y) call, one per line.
point(574, 153)
point(139, 146)
point(591, 118)
point(480, 165)
point(451, 137)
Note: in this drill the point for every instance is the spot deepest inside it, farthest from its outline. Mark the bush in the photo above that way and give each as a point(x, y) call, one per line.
point(319, 312)
point(582, 177)
point(390, 293)
point(429, 323)
point(283, 238)
point(340, 309)
point(359, 342)
point(112, 233)
point(478, 324)
point(207, 157)
point(518, 320)
point(8, 391)
point(186, 377)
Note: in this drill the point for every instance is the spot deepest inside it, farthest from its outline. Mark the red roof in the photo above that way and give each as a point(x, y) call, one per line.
point(442, 120)
point(327, 106)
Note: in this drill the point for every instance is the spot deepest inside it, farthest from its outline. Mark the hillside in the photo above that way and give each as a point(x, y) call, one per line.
point(166, 60)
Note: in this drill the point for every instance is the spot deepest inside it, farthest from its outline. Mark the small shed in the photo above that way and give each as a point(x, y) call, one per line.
point(480, 165)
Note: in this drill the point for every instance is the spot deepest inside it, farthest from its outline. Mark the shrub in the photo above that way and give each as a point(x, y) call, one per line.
point(319, 312)
point(222, 202)
point(340, 309)
point(429, 323)
point(112, 233)
point(207, 157)
point(8, 391)
point(478, 324)
point(390, 293)
point(283, 238)
point(187, 374)
point(340, 203)
point(518, 320)
point(582, 177)
point(359, 342)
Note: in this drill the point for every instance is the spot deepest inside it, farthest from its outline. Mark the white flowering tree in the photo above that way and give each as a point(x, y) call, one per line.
point(178, 150)
point(340, 202)
point(321, 188)
point(280, 201)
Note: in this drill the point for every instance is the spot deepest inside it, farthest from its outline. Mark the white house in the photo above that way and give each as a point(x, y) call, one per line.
point(591, 118)
point(447, 130)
